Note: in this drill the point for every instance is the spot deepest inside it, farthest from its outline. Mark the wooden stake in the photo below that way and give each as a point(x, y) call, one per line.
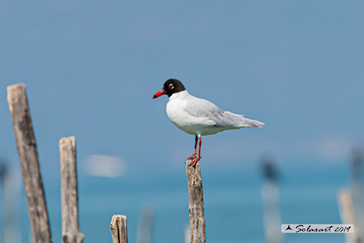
point(357, 195)
point(271, 214)
point(118, 229)
point(69, 192)
point(145, 228)
point(187, 234)
point(270, 197)
point(196, 208)
point(29, 164)
point(345, 203)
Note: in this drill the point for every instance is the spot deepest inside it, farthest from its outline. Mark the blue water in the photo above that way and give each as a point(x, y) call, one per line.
point(233, 205)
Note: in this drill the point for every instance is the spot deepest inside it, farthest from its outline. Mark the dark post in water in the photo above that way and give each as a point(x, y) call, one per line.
point(270, 197)
point(357, 192)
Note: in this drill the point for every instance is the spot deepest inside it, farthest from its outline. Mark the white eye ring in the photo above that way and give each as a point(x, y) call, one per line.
point(170, 86)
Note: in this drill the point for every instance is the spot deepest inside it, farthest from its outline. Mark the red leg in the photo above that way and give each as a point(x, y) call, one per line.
point(194, 151)
point(195, 160)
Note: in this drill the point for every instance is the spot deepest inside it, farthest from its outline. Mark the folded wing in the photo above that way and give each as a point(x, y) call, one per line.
point(212, 115)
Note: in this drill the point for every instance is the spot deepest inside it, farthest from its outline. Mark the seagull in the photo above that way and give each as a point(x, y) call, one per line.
point(199, 117)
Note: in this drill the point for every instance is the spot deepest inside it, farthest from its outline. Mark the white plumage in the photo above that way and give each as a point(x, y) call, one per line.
point(197, 116)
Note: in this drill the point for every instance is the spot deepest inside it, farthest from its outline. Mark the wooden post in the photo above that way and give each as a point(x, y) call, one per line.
point(12, 206)
point(118, 229)
point(187, 234)
point(270, 197)
point(29, 164)
point(345, 203)
point(145, 228)
point(357, 192)
point(69, 192)
point(195, 208)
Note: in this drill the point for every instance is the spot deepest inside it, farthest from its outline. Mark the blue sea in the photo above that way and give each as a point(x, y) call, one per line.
point(232, 197)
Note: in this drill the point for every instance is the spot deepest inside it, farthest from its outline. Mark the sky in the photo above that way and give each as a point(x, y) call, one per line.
point(91, 69)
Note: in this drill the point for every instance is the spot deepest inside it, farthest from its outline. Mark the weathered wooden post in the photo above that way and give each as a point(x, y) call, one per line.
point(345, 203)
point(196, 208)
point(69, 192)
point(29, 164)
point(118, 229)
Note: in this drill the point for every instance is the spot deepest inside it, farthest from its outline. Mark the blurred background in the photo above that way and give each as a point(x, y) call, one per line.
point(92, 67)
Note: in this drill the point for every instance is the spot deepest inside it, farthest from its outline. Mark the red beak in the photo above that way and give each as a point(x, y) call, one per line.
point(159, 93)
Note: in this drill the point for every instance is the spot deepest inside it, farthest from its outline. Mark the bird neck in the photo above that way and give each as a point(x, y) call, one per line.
point(179, 95)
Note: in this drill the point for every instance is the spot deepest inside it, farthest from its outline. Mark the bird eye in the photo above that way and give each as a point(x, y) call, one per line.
point(170, 86)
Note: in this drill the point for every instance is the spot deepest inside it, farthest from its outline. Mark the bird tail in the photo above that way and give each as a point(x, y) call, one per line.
point(252, 123)
point(240, 121)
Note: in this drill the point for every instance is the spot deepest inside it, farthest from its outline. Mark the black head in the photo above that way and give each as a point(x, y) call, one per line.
point(170, 87)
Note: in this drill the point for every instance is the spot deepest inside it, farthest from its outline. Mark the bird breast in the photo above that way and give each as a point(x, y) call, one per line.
point(177, 114)
point(191, 124)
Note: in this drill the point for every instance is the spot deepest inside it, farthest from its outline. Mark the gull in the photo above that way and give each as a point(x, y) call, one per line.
point(199, 117)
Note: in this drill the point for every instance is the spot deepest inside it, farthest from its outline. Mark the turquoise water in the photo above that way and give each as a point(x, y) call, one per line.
point(233, 207)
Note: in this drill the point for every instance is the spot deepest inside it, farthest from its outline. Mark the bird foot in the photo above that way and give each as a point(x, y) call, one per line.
point(191, 157)
point(194, 161)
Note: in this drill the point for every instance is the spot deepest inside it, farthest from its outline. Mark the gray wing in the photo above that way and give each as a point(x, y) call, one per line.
point(212, 115)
